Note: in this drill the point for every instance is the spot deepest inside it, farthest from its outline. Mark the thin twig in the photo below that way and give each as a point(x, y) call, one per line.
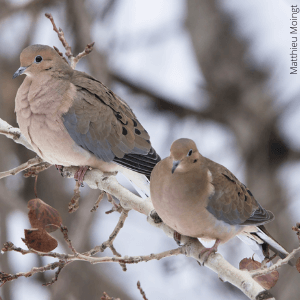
point(73, 60)
point(102, 193)
point(61, 265)
point(88, 49)
point(61, 36)
point(74, 203)
point(64, 231)
point(131, 259)
point(35, 186)
point(31, 162)
point(66, 259)
point(106, 297)
point(112, 236)
point(35, 170)
point(141, 290)
point(276, 266)
point(116, 207)
point(4, 277)
point(9, 246)
point(60, 54)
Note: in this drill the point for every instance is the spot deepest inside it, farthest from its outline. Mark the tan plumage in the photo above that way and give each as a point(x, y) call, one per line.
point(70, 118)
point(201, 198)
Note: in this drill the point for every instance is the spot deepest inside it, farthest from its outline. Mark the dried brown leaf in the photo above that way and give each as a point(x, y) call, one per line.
point(43, 216)
point(40, 240)
point(266, 281)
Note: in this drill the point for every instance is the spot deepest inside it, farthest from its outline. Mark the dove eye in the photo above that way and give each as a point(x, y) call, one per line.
point(38, 59)
point(190, 152)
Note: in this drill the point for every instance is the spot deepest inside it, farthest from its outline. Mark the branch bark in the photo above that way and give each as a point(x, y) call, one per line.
point(30, 163)
point(14, 134)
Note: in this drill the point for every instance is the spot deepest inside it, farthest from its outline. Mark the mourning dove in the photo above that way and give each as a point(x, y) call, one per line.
point(200, 198)
point(71, 118)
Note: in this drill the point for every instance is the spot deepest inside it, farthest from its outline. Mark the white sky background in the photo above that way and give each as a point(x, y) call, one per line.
point(168, 66)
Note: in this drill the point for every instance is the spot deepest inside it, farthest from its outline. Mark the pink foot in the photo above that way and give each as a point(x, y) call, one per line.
point(208, 251)
point(79, 175)
point(177, 237)
point(59, 168)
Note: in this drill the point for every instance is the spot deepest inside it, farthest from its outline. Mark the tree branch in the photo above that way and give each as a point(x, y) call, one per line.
point(192, 247)
point(14, 134)
point(275, 266)
point(31, 162)
point(73, 60)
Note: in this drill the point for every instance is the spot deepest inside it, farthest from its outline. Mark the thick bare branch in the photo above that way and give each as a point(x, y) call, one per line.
point(14, 134)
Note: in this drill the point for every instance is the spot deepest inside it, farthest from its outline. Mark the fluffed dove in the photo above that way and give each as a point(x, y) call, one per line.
point(71, 118)
point(200, 198)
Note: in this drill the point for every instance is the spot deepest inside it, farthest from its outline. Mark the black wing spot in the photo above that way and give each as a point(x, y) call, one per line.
point(124, 131)
point(239, 193)
point(195, 160)
point(148, 141)
point(134, 123)
point(120, 118)
point(245, 198)
point(137, 131)
point(249, 193)
point(229, 178)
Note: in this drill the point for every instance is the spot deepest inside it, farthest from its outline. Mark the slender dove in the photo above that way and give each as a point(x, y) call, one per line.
point(71, 118)
point(200, 198)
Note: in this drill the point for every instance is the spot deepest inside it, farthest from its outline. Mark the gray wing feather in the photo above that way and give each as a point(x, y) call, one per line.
point(233, 217)
point(85, 140)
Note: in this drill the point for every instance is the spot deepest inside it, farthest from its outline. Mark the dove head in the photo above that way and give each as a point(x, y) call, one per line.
point(184, 155)
point(40, 58)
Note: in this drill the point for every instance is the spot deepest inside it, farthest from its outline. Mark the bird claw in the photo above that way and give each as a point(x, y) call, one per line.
point(80, 173)
point(59, 168)
point(156, 218)
point(177, 237)
point(208, 251)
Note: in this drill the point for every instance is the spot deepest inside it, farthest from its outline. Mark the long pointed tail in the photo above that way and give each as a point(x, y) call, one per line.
point(260, 241)
point(271, 242)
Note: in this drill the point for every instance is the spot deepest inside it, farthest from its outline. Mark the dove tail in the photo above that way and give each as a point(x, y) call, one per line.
point(260, 241)
point(139, 181)
point(270, 242)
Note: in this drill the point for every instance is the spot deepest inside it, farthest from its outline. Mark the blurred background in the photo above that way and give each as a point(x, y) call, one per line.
point(214, 71)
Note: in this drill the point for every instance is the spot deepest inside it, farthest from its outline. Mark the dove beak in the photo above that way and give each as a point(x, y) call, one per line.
point(175, 165)
point(19, 72)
